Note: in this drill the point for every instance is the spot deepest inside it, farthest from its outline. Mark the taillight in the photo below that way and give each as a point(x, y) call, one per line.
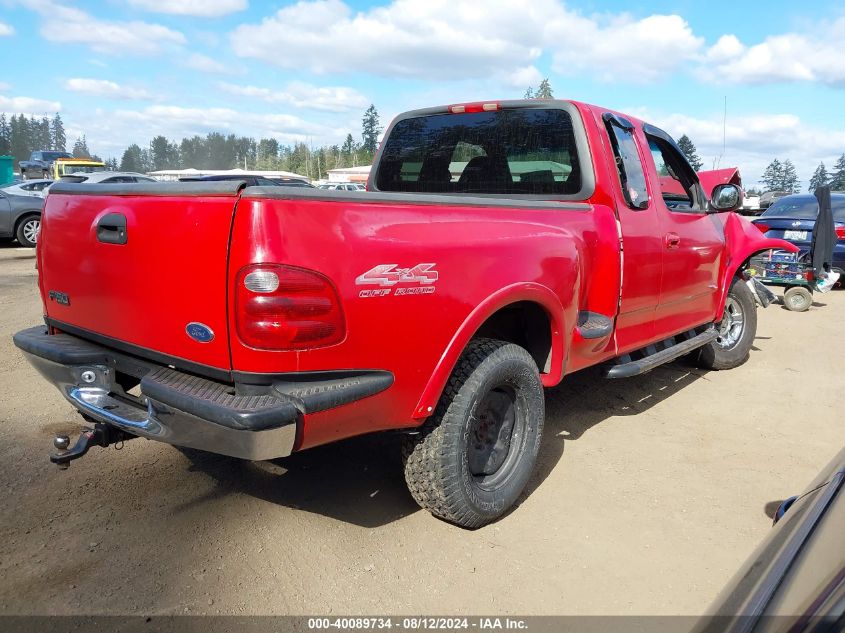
point(286, 308)
point(763, 227)
point(840, 233)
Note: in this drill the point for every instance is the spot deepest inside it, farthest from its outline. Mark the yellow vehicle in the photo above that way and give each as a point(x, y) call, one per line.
point(66, 166)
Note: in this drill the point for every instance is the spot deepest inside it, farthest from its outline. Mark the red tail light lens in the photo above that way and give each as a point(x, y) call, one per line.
point(763, 227)
point(840, 233)
point(286, 308)
point(474, 107)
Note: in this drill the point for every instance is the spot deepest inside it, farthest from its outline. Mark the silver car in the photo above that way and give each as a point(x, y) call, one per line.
point(20, 217)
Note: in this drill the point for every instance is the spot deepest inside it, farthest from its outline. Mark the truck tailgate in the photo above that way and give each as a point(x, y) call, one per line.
point(145, 286)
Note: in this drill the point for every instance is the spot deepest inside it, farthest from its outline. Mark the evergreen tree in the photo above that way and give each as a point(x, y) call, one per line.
point(544, 90)
point(80, 148)
point(58, 140)
point(773, 176)
point(347, 150)
point(820, 178)
point(5, 136)
point(837, 177)
point(163, 154)
point(131, 160)
point(111, 164)
point(790, 180)
point(529, 94)
point(690, 152)
point(370, 130)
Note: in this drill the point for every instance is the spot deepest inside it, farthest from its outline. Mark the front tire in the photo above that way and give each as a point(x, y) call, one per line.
point(737, 330)
point(27, 231)
point(474, 456)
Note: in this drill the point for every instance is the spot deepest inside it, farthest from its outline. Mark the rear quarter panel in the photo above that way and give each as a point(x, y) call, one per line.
point(478, 253)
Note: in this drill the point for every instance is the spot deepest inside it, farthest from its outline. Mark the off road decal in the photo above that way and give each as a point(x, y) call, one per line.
point(389, 275)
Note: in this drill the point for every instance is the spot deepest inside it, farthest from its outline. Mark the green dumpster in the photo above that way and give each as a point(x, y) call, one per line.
point(6, 171)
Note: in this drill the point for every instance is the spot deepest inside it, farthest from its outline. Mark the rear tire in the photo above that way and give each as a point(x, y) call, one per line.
point(27, 231)
point(474, 456)
point(798, 299)
point(737, 330)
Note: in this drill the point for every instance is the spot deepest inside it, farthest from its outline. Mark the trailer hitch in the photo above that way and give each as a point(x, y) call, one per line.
point(102, 435)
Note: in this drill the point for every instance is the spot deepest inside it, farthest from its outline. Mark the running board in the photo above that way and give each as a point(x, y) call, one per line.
point(654, 358)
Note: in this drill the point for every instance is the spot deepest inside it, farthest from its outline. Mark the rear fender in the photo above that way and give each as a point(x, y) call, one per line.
point(510, 294)
point(743, 240)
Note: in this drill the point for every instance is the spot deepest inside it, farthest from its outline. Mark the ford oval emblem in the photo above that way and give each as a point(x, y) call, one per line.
point(200, 332)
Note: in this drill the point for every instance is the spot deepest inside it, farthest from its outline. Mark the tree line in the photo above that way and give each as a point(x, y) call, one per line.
point(19, 136)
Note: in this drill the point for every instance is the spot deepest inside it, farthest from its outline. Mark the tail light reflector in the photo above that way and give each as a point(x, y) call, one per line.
point(763, 227)
point(840, 233)
point(281, 307)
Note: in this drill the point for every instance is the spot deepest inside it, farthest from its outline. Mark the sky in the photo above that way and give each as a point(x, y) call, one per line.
point(123, 71)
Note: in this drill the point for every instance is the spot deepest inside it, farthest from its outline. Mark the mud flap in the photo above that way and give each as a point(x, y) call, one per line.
point(763, 295)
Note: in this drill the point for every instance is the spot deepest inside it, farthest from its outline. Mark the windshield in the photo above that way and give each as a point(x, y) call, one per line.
point(525, 151)
point(804, 209)
point(48, 156)
point(84, 169)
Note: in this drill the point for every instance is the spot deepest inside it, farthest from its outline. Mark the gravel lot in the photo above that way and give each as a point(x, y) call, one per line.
point(650, 492)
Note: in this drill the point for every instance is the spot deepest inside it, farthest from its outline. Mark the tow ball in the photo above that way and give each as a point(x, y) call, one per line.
point(101, 435)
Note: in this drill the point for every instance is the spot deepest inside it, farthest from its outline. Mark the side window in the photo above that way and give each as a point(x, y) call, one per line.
point(678, 182)
point(629, 167)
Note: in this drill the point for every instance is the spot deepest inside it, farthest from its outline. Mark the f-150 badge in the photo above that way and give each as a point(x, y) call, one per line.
point(389, 275)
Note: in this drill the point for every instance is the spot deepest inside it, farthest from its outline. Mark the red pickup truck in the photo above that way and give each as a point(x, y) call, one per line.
point(499, 247)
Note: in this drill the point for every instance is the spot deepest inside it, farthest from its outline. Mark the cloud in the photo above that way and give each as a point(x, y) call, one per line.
point(4, 86)
point(105, 89)
point(206, 64)
point(28, 105)
point(67, 25)
point(626, 49)
point(198, 8)
point(6, 30)
point(754, 140)
point(304, 95)
point(458, 39)
point(810, 57)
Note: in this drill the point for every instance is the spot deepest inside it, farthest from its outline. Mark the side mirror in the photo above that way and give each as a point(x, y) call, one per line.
point(727, 197)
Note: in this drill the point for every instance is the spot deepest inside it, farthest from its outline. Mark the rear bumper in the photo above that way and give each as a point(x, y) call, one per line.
point(254, 422)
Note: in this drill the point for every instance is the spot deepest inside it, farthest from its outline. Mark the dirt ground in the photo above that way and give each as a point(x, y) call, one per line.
point(649, 494)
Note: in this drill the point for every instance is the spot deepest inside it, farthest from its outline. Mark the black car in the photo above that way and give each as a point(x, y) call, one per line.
point(252, 181)
point(795, 580)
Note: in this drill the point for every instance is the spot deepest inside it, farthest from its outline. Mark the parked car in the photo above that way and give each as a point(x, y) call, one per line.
point(40, 164)
point(436, 306)
point(107, 177)
point(795, 579)
point(343, 186)
point(37, 188)
point(20, 217)
point(793, 218)
point(251, 181)
point(768, 198)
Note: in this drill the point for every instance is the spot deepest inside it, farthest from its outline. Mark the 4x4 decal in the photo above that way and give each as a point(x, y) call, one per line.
point(389, 275)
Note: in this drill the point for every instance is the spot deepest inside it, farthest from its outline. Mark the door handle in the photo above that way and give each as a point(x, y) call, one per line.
point(111, 229)
point(672, 240)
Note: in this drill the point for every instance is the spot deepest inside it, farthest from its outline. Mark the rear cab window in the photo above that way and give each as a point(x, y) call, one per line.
point(513, 151)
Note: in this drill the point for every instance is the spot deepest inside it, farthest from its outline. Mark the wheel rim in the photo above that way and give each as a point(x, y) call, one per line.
point(798, 301)
point(732, 325)
point(495, 431)
point(30, 230)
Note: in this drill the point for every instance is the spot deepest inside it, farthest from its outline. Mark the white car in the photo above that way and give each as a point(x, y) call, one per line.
point(343, 186)
point(107, 177)
point(36, 188)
